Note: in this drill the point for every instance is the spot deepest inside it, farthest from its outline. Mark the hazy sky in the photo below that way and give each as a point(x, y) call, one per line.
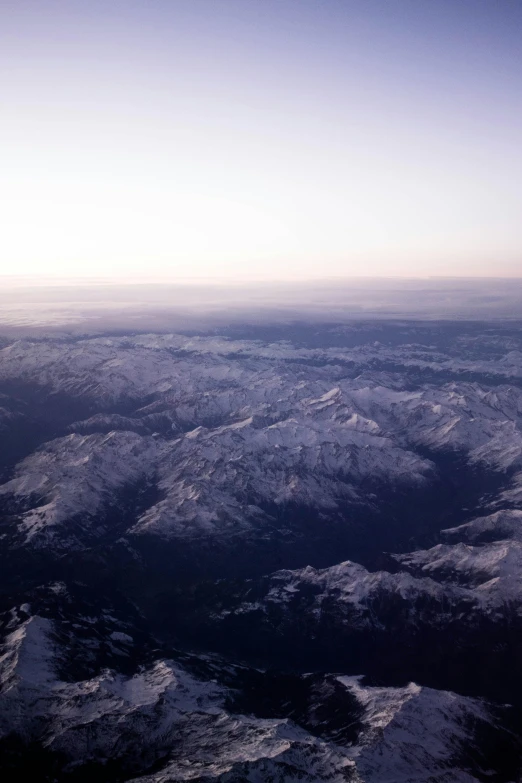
point(261, 138)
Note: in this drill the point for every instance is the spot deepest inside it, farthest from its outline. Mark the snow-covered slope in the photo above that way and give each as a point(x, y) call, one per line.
point(499, 526)
point(164, 716)
point(359, 599)
point(77, 476)
point(205, 378)
point(205, 476)
point(228, 434)
point(484, 555)
point(394, 718)
point(133, 365)
point(228, 471)
point(494, 570)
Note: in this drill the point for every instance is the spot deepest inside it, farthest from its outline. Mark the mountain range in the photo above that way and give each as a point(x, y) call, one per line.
point(264, 553)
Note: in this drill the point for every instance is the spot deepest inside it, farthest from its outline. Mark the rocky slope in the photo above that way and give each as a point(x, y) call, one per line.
point(160, 715)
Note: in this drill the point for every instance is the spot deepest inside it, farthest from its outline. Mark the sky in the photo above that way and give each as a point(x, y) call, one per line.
point(260, 139)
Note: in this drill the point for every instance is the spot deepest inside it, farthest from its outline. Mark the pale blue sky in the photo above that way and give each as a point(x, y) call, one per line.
point(261, 138)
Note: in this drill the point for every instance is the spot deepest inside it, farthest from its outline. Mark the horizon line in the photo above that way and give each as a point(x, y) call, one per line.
point(49, 279)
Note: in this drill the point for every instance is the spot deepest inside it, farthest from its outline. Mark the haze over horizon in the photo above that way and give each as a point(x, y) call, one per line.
point(265, 141)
